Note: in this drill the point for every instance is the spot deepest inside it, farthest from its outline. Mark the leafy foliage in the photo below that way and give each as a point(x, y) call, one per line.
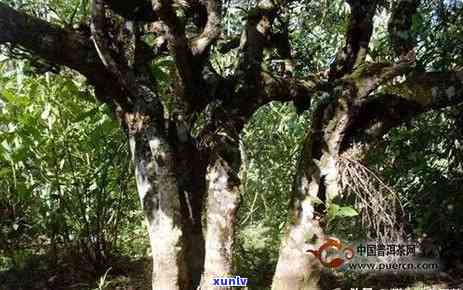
point(423, 159)
point(65, 171)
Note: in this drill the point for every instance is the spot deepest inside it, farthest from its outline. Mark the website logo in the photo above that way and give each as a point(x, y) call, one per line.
point(229, 281)
point(346, 252)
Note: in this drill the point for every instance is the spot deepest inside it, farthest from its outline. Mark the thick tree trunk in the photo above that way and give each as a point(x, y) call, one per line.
point(295, 268)
point(222, 204)
point(315, 183)
point(191, 168)
point(157, 187)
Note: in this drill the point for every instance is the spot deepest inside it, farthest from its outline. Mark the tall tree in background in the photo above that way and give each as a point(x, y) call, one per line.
point(185, 147)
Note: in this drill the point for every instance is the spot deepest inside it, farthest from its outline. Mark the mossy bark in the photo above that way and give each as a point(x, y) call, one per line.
point(157, 187)
point(316, 184)
point(222, 204)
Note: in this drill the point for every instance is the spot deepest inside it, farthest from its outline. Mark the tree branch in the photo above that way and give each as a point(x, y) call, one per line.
point(369, 76)
point(212, 29)
point(282, 44)
point(358, 36)
point(136, 88)
point(99, 39)
point(176, 37)
point(51, 43)
point(136, 10)
point(431, 90)
point(246, 87)
point(399, 103)
point(400, 25)
point(230, 114)
point(254, 39)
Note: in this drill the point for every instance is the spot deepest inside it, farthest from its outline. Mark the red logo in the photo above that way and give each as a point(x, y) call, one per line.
point(333, 244)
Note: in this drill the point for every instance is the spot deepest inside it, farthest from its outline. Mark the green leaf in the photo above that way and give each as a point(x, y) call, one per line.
point(5, 171)
point(86, 114)
point(9, 97)
point(333, 210)
point(346, 211)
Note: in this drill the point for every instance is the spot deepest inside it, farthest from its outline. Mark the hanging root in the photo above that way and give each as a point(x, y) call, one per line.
point(380, 207)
